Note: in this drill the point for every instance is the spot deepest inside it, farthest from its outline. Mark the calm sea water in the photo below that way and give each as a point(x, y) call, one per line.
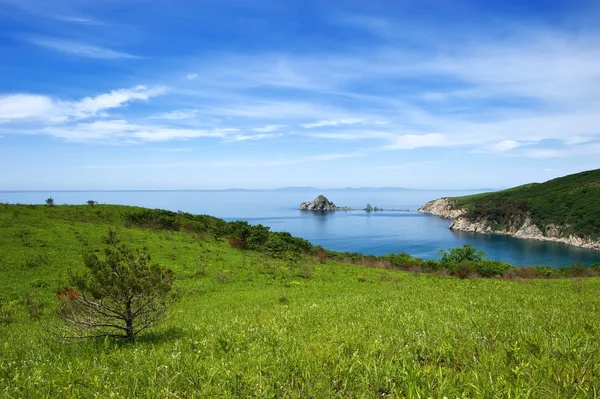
point(374, 233)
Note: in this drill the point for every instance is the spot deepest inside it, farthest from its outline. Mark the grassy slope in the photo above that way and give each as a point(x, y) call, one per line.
point(340, 331)
point(572, 200)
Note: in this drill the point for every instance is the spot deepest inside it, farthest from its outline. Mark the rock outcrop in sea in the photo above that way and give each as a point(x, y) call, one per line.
point(518, 227)
point(370, 208)
point(321, 203)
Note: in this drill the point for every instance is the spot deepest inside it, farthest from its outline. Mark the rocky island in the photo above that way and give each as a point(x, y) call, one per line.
point(562, 210)
point(321, 203)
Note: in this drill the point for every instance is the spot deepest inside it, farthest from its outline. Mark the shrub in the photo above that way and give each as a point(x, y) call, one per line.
point(595, 267)
point(401, 260)
point(456, 255)
point(577, 269)
point(50, 201)
point(490, 268)
point(463, 269)
point(430, 265)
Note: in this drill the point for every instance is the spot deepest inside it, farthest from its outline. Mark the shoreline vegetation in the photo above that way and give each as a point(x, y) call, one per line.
point(563, 210)
point(266, 314)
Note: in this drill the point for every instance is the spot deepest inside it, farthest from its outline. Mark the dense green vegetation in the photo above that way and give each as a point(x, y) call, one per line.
point(265, 314)
point(572, 202)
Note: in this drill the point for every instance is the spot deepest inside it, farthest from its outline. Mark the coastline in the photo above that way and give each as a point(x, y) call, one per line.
point(526, 229)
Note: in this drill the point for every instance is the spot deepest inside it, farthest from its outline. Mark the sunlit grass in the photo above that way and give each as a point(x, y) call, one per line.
point(341, 330)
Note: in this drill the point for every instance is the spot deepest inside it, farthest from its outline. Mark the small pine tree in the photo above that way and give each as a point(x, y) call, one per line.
point(121, 295)
point(91, 203)
point(50, 201)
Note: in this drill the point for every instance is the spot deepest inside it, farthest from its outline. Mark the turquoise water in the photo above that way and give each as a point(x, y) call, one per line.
point(374, 233)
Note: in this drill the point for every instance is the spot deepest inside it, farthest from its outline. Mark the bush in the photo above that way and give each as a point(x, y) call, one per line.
point(490, 268)
point(402, 260)
point(463, 269)
point(595, 267)
point(456, 255)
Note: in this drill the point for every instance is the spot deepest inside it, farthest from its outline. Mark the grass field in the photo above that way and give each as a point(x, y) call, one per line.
point(249, 325)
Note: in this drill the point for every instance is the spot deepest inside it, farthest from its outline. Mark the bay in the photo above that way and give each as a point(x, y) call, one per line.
point(375, 233)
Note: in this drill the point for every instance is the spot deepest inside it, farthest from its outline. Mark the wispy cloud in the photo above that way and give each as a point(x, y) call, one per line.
point(235, 163)
point(252, 137)
point(412, 141)
point(90, 106)
point(121, 131)
point(191, 76)
point(80, 49)
point(28, 107)
point(77, 19)
point(177, 114)
point(268, 128)
point(333, 122)
point(408, 165)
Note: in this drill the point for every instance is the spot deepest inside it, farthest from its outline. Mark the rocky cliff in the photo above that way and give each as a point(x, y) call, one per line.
point(443, 207)
point(518, 226)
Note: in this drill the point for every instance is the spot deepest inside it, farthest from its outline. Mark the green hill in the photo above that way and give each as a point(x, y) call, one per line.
point(571, 202)
point(268, 315)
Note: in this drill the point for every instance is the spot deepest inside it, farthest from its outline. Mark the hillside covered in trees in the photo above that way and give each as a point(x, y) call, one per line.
point(564, 209)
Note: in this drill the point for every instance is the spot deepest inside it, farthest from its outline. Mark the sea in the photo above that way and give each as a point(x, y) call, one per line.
point(377, 233)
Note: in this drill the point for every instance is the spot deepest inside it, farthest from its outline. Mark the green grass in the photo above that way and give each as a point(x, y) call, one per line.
point(250, 325)
point(572, 202)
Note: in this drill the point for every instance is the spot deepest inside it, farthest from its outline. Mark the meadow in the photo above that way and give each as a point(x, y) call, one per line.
point(254, 323)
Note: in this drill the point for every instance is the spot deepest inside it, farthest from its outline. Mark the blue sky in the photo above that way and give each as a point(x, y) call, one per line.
point(157, 94)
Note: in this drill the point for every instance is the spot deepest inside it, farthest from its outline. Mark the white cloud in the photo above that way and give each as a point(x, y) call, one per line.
point(543, 153)
point(412, 141)
point(252, 137)
point(121, 131)
point(177, 114)
point(81, 49)
point(191, 76)
point(505, 145)
point(30, 106)
point(75, 19)
point(90, 106)
point(409, 165)
point(268, 128)
point(333, 122)
point(146, 133)
point(352, 135)
point(236, 163)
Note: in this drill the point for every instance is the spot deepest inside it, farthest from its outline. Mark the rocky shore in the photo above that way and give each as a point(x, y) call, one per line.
point(523, 228)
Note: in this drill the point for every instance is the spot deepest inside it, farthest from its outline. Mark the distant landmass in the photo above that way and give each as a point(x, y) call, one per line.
point(310, 188)
point(566, 209)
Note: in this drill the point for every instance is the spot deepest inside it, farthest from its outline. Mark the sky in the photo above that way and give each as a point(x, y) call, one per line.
point(214, 94)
